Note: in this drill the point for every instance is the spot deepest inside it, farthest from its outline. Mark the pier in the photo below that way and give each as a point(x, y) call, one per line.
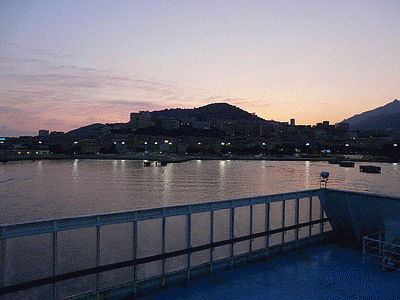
point(126, 254)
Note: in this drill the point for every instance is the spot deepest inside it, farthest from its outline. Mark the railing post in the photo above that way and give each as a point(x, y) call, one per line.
point(321, 216)
point(267, 212)
point(310, 217)
point(251, 227)
point(296, 218)
point(189, 242)
point(283, 221)
point(55, 236)
point(3, 260)
point(163, 249)
point(97, 258)
point(134, 256)
point(211, 237)
point(232, 235)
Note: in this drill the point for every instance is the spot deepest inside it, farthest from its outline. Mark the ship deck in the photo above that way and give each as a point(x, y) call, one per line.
point(325, 271)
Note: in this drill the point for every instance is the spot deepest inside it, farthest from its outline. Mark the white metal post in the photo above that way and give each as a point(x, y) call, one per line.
point(189, 243)
point(251, 228)
point(163, 249)
point(283, 221)
point(97, 258)
point(296, 218)
point(310, 218)
point(232, 228)
point(55, 259)
point(267, 213)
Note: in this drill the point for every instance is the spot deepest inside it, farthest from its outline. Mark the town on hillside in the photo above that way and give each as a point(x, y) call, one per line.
point(193, 133)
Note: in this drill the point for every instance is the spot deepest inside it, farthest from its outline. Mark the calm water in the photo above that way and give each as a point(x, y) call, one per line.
point(36, 190)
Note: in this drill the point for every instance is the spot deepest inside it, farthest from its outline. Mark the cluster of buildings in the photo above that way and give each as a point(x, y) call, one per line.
point(146, 134)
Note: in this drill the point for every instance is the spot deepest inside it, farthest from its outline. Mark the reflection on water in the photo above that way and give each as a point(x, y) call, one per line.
point(34, 190)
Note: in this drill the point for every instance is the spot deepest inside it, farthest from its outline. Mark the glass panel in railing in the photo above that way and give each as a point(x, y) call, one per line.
point(176, 238)
point(200, 235)
point(259, 226)
point(275, 215)
point(222, 227)
point(242, 228)
point(304, 217)
point(149, 239)
point(290, 219)
point(76, 250)
point(116, 245)
point(28, 258)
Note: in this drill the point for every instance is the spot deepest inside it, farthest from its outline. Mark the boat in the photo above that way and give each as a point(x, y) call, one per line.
point(334, 161)
point(346, 164)
point(370, 169)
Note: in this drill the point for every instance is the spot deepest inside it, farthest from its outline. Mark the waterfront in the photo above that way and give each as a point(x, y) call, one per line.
point(37, 190)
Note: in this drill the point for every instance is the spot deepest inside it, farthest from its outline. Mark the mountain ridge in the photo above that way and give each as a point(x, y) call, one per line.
point(386, 117)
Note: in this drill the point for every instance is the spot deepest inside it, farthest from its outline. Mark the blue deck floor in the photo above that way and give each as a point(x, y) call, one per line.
point(316, 272)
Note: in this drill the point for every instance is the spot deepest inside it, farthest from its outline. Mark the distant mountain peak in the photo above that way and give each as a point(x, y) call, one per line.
point(381, 118)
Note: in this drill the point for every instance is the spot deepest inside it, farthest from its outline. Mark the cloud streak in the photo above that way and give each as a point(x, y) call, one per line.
point(65, 96)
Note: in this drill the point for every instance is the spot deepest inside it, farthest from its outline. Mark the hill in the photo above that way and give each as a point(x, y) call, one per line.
point(220, 111)
point(85, 129)
point(386, 117)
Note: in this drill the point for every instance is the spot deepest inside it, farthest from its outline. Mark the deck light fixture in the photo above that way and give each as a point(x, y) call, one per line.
point(324, 179)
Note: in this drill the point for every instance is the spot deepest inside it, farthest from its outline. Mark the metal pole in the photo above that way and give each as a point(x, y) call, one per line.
point(3, 260)
point(3, 263)
point(211, 237)
point(310, 218)
point(232, 233)
point(189, 242)
point(267, 213)
point(296, 218)
point(55, 258)
point(283, 221)
point(321, 216)
point(134, 256)
point(97, 258)
point(163, 249)
point(251, 228)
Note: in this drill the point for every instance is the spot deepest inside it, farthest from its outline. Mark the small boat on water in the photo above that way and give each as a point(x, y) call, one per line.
point(346, 164)
point(334, 161)
point(370, 169)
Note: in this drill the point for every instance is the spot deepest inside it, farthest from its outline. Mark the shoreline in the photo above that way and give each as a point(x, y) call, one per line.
point(184, 158)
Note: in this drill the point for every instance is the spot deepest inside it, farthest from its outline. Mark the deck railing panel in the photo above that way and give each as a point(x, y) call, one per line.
point(126, 251)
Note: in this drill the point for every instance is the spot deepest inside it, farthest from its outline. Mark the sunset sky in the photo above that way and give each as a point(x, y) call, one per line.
point(67, 64)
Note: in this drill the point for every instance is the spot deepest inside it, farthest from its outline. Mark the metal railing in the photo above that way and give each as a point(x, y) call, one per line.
point(98, 256)
point(377, 250)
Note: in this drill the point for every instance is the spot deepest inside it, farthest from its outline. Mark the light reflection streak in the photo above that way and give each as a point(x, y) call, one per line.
point(166, 179)
point(307, 175)
point(75, 172)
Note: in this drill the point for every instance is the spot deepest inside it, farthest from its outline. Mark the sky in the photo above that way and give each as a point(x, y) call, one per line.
point(67, 64)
